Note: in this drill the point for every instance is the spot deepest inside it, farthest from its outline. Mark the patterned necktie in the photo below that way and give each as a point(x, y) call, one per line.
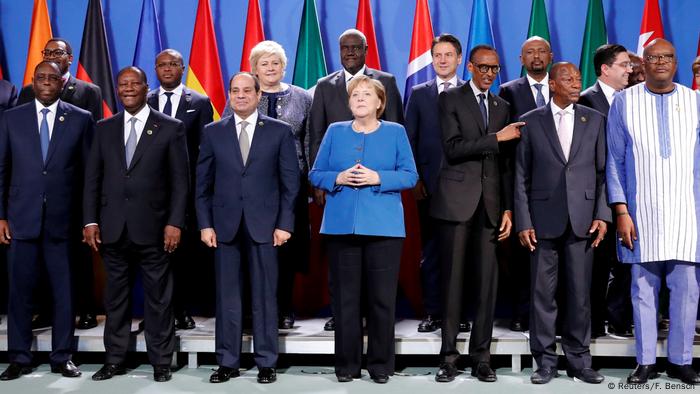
point(244, 142)
point(44, 134)
point(446, 85)
point(564, 134)
point(539, 101)
point(168, 107)
point(131, 142)
point(482, 107)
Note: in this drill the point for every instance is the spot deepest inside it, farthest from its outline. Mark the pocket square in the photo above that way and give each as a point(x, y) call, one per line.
point(190, 110)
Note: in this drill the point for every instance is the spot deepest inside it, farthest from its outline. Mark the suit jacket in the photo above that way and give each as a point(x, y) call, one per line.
point(519, 95)
point(423, 128)
point(82, 94)
point(330, 104)
point(8, 95)
point(30, 188)
point(551, 192)
point(145, 197)
point(594, 97)
point(263, 190)
point(474, 167)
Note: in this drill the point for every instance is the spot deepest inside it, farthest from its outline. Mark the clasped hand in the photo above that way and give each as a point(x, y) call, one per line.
point(357, 175)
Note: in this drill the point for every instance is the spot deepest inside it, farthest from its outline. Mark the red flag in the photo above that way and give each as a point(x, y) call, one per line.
point(365, 24)
point(39, 35)
point(94, 64)
point(652, 27)
point(253, 32)
point(1, 77)
point(695, 84)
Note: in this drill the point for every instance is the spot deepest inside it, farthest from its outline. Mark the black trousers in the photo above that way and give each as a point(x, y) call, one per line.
point(468, 244)
point(355, 259)
point(430, 267)
point(576, 255)
point(193, 275)
point(120, 259)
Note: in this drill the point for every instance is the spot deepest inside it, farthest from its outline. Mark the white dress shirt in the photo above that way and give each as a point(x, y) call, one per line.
point(565, 126)
point(174, 99)
point(545, 87)
point(50, 117)
point(477, 92)
point(141, 118)
point(250, 128)
point(608, 91)
point(440, 83)
point(349, 76)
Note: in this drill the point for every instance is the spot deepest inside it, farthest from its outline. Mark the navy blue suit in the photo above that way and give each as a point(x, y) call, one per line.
point(8, 95)
point(518, 94)
point(41, 202)
point(244, 204)
point(423, 129)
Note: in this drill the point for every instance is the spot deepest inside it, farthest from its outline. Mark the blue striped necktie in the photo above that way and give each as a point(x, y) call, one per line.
point(44, 134)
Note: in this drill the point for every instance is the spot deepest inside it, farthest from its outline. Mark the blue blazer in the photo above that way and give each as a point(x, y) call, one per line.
point(28, 186)
point(263, 190)
point(8, 95)
point(370, 210)
point(423, 128)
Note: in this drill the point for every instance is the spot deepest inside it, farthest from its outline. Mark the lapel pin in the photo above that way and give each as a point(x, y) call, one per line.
point(260, 123)
point(71, 87)
point(495, 103)
point(61, 118)
point(149, 132)
point(583, 119)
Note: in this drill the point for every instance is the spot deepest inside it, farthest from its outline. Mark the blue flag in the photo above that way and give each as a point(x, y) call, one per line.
point(480, 33)
point(148, 43)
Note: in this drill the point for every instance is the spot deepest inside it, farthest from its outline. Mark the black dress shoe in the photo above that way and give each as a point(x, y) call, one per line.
point(286, 321)
point(664, 324)
point(587, 375)
point(184, 322)
point(344, 378)
point(162, 373)
point(598, 331)
point(14, 371)
point(86, 321)
point(223, 374)
point(446, 373)
point(518, 325)
point(108, 371)
point(380, 378)
point(40, 321)
point(544, 375)
point(465, 327)
point(620, 330)
point(685, 373)
point(267, 375)
point(642, 373)
point(429, 324)
point(484, 373)
point(67, 369)
point(330, 325)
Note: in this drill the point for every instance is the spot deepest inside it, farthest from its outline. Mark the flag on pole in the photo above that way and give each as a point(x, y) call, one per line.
point(94, 64)
point(652, 27)
point(1, 76)
point(254, 32)
point(420, 60)
point(695, 84)
point(365, 24)
point(39, 35)
point(594, 36)
point(480, 33)
point(148, 42)
point(204, 71)
point(310, 63)
point(538, 24)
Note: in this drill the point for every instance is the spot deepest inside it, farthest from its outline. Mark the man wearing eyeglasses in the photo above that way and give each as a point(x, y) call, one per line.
point(652, 182)
point(473, 205)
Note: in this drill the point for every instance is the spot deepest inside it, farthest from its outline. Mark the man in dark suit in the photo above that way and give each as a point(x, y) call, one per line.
point(423, 128)
point(43, 145)
point(87, 96)
point(525, 94)
point(560, 215)
point(613, 67)
point(195, 111)
point(136, 186)
point(330, 101)
point(8, 95)
point(246, 189)
point(473, 204)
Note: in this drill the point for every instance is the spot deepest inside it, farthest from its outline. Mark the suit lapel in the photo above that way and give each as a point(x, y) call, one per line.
point(149, 133)
point(600, 96)
point(550, 131)
point(526, 92)
point(34, 140)
point(257, 140)
point(473, 106)
point(184, 104)
point(69, 89)
point(340, 87)
point(432, 90)
point(236, 148)
point(152, 99)
point(579, 130)
point(58, 130)
point(494, 107)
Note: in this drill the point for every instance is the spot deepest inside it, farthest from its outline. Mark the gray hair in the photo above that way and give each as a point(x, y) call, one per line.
point(353, 32)
point(264, 48)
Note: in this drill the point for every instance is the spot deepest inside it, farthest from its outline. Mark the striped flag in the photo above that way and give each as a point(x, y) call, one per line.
point(365, 24)
point(204, 72)
point(480, 33)
point(254, 33)
point(420, 60)
point(652, 27)
point(148, 42)
point(39, 35)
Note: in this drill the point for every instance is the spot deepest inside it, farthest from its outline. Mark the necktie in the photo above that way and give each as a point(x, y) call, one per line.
point(564, 134)
point(244, 142)
point(539, 100)
point(168, 107)
point(446, 85)
point(482, 107)
point(44, 134)
point(131, 142)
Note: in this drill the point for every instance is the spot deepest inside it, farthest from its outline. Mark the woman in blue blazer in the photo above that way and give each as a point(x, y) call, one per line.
point(363, 165)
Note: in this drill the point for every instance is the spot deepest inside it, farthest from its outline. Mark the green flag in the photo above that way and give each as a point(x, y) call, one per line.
point(538, 24)
point(594, 36)
point(310, 64)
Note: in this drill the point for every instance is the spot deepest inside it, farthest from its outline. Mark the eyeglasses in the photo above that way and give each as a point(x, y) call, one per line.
point(654, 59)
point(625, 64)
point(169, 64)
point(484, 68)
point(54, 53)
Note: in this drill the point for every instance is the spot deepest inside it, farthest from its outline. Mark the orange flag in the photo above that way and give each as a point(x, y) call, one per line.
point(254, 32)
point(204, 72)
point(365, 24)
point(39, 35)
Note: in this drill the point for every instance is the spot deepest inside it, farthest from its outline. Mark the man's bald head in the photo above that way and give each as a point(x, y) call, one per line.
point(660, 65)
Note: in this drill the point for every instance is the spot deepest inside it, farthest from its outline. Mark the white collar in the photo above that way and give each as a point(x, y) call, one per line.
point(177, 91)
point(452, 81)
point(142, 115)
point(532, 81)
point(556, 109)
point(348, 75)
point(39, 106)
point(608, 90)
point(476, 90)
point(252, 119)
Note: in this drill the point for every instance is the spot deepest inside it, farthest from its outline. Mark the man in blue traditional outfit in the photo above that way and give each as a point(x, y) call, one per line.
point(653, 179)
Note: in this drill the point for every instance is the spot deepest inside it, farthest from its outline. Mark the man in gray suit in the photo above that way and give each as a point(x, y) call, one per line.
point(561, 213)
